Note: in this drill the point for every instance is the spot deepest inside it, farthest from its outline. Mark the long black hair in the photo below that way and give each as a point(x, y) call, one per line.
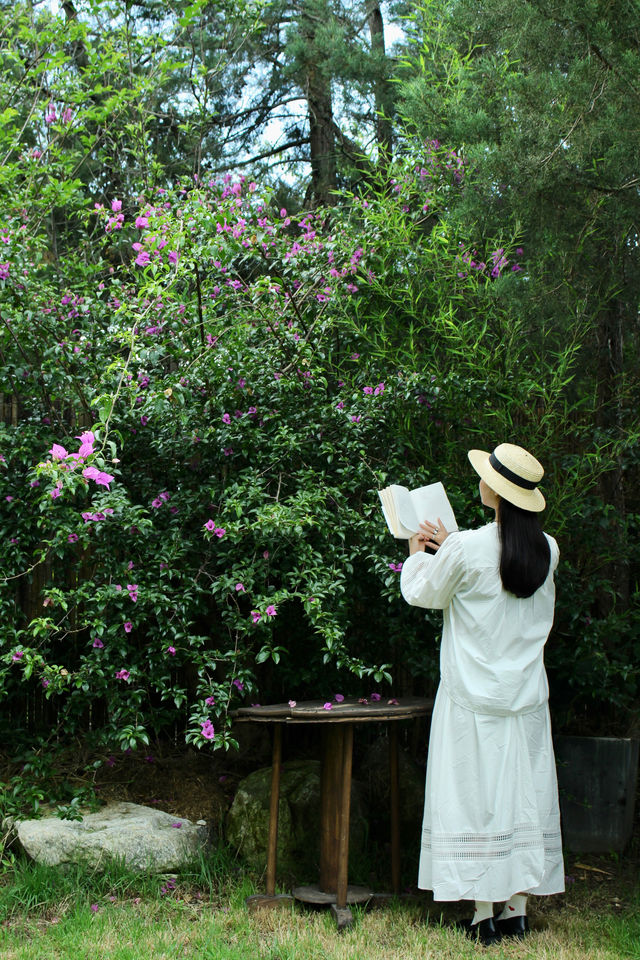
point(525, 555)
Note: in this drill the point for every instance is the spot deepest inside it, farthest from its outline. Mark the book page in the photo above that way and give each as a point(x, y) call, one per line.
point(393, 499)
point(407, 520)
point(388, 510)
point(430, 503)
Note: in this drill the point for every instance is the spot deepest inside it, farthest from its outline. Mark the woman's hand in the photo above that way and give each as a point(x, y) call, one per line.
point(433, 535)
point(416, 543)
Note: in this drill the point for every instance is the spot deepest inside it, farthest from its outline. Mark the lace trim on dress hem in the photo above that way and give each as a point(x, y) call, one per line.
point(490, 846)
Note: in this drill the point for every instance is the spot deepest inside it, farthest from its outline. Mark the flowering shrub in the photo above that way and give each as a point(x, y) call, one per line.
point(200, 447)
point(208, 408)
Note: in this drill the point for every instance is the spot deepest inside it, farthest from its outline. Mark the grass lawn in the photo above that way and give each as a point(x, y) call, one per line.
point(46, 916)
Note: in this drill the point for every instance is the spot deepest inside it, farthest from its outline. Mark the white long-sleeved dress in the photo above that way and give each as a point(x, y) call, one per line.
point(491, 818)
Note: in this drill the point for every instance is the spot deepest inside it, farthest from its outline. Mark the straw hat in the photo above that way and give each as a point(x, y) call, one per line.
point(511, 472)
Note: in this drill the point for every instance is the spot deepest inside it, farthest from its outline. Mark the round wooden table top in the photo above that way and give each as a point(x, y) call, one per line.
point(349, 710)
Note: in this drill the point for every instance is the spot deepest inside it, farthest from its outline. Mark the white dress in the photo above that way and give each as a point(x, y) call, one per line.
point(491, 817)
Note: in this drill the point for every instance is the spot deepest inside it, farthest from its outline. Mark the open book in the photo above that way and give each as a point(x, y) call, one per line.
point(404, 509)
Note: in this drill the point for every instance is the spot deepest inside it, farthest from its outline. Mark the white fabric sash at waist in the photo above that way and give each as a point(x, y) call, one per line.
point(488, 709)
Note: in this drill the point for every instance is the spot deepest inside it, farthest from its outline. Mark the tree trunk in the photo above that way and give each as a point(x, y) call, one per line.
point(383, 91)
point(317, 87)
point(321, 139)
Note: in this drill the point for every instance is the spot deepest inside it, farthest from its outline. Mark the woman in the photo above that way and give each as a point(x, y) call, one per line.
point(491, 829)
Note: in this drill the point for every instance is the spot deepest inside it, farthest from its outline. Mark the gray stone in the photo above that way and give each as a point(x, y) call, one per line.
point(247, 824)
point(146, 839)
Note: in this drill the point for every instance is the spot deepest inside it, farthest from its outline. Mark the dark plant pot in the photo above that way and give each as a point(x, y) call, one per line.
point(597, 785)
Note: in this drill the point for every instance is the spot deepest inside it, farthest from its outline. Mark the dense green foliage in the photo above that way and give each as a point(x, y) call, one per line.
point(203, 391)
point(541, 100)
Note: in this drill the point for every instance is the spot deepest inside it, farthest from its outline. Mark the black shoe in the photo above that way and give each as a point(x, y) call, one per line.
point(485, 932)
point(513, 927)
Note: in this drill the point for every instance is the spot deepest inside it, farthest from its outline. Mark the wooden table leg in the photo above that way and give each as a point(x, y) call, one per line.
point(395, 809)
point(272, 843)
point(261, 901)
point(341, 911)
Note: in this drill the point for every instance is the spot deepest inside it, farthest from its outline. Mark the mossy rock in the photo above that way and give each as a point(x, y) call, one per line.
point(247, 825)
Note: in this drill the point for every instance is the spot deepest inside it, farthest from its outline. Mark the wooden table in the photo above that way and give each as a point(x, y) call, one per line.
point(335, 798)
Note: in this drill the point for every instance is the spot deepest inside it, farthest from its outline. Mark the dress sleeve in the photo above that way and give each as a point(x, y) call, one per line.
point(431, 580)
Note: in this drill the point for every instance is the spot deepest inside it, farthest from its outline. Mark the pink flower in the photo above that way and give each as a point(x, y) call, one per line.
point(271, 611)
point(226, 418)
point(142, 222)
point(122, 674)
point(392, 702)
point(219, 532)
point(128, 626)
point(116, 206)
point(239, 685)
point(338, 698)
point(367, 389)
point(144, 420)
point(292, 704)
point(327, 706)
point(375, 697)
point(95, 907)
point(256, 616)
point(396, 567)
point(55, 493)
point(58, 452)
point(67, 115)
point(173, 256)
point(210, 526)
point(18, 655)
point(208, 731)
point(98, 476)
point(266, 554)
point(240, 587)
point(97, 643)
point(9, 499)
point(210, 701)
point(171, 651)
point(143, 259)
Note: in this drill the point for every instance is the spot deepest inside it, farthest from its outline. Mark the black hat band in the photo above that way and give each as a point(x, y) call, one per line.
point(510, 475)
